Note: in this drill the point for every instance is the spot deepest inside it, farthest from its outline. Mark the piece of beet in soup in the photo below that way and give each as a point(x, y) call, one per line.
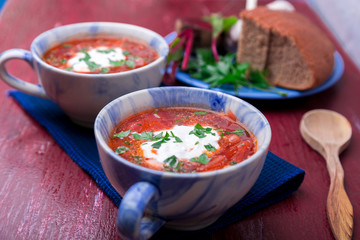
point(100, 55)
point(183, 140)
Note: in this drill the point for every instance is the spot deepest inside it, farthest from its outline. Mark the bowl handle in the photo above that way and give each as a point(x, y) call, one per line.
point(132, 220)
point(30, 88)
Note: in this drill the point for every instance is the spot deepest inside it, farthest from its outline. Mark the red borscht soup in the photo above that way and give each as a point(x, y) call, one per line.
point(100, 55)
point(183, 140)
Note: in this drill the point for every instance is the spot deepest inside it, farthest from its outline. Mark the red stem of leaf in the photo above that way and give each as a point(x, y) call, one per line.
point(189, 42)
point(214, 49)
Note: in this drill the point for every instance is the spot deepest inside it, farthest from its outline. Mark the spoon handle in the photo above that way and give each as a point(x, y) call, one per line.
point(339, 208)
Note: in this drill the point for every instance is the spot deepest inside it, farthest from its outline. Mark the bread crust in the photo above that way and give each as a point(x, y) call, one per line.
point(314, 46)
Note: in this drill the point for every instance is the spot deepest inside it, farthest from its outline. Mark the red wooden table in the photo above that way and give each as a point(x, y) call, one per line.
point(45, 195)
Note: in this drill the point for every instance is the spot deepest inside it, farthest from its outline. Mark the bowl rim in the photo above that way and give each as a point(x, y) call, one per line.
point(263, 150)
point(96, 75)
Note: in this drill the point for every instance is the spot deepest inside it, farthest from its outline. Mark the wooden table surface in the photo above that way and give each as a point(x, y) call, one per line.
point(45, 195)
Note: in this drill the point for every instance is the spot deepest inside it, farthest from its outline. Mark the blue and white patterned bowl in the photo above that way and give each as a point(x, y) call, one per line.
point(81, 96)
point(180, 201)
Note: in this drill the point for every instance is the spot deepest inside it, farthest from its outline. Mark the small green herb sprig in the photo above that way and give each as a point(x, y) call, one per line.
point(149, 136)
point(200, 131)
point(172, 164)
point(203, 159)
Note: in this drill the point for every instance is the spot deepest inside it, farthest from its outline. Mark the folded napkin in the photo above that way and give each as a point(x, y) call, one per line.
point(277, 180)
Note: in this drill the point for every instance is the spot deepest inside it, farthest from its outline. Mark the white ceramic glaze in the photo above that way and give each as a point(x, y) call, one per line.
point(81, 96)
point(181, 201)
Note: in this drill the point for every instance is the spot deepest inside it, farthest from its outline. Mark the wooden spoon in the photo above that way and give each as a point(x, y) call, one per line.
point(329, 133)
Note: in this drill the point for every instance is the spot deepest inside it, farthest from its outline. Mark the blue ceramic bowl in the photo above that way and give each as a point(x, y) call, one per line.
point(81, 96)
point(186, 201)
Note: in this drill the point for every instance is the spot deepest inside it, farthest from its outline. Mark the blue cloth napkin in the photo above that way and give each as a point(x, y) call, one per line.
point(277, 180)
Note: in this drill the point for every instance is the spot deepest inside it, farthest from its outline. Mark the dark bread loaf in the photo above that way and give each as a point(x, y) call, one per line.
point(296, 52)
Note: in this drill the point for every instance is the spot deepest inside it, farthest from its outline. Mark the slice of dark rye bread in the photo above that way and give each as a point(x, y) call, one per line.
point(297, 53)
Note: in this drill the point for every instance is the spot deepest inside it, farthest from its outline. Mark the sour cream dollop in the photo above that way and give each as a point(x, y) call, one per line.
point(101, 56)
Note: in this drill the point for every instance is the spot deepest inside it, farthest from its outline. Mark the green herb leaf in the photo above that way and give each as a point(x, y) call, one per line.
point(126, 53)
point(105, 70)
point(137, 159)
point(130, 64)
point(233, 163)
point(157, 145)
point(91, 65)
point(177, 139)
point(171, 160)
point(177, 54)
point(164, 139)
point(116, 63)
point(143, 136)
point(200, 113)
point(106, 51)
point(121, 134)
point(121, 150)
point(239, 132)
point(203, 159)
point(155, 114)
point(210, 147)
point(200, 131)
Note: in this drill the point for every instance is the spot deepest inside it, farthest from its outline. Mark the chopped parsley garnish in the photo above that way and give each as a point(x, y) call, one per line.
point(200, 113)
point(130, 64)
point(63, 61)
point(137, 159)
point(164, 139)
point(106, 50)
point(122, 134)
point(172, 164)
point(127, 143)
point(171, 160)
point(159, 138)
point(233, 163)
point(239, 132)
point(116, 63)
point(203, 159)
point(105, 70)
point(177, 139)
point(210, 147)
point(126, 53)
point(200, 131)
point(121, 150)
point(143, 136)
point(155, 114)
point(91, 65)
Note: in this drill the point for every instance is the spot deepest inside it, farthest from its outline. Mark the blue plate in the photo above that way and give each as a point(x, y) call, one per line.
point(251, 93)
